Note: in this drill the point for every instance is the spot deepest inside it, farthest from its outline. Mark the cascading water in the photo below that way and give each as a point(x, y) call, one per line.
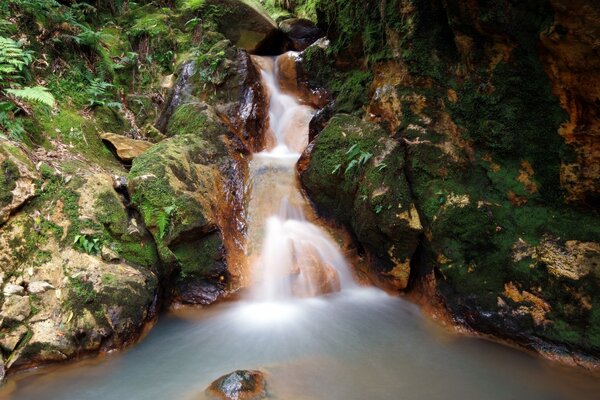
point(297, 258)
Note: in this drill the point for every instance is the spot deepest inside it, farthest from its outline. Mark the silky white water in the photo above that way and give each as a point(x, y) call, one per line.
point(296, 257)
point(314, 341)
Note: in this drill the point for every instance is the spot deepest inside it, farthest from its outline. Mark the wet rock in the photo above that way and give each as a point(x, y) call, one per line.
point(178, 95)
point(293, 80)
point(37, 287)
point(302, 32)
point(239, 385)
point(233, 89)
point(355, 173)
point(319, 121)
point(126, 148)
point(314, 278)
point(199, 292)
point(180, 188)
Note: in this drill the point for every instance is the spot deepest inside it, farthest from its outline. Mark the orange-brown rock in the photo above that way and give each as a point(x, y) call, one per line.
point(126, 148)
point(291, 80)
point(571, 55)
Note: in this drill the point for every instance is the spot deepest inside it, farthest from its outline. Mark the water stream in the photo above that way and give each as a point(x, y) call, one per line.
point(305, 322)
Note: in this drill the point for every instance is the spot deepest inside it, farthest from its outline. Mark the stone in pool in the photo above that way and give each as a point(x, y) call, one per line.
point(239, 385)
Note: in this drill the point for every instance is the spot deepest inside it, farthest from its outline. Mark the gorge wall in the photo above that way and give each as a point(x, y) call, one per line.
point(462, 154)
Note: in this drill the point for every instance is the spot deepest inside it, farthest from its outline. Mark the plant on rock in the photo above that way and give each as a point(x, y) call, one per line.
point(88, 243)
point(355, 157)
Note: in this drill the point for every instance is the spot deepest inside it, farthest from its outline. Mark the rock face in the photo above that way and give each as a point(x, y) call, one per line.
point(224, 77)
point(355, 174)
point(60, 298)
point(239, 385)
point(502, 179)
point(571, 57)
point(17, 177)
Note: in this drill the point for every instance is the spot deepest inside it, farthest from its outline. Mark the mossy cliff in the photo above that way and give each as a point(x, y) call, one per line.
point(493, 155)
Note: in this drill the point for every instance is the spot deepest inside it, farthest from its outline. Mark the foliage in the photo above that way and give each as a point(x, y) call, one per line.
point(87, 243)
point(98, 94)
point(38, 94)
point(192, 5)
point(163, 220)
point(13, 60)
point(355, 157)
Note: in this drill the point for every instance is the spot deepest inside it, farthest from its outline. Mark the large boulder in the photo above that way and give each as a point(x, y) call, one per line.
point(354, 172)
point(302, 32)
point(224, 77)
point(78, 272)
point(247, 26)
point(181, 189)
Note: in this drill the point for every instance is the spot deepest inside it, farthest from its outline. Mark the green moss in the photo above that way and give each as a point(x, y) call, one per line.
point(135, 248)
point(8, 177)
point(82, 133)
point(562, 332)
point(81, 294)
point(198, 258)
point(356, 174)
point(187, 119)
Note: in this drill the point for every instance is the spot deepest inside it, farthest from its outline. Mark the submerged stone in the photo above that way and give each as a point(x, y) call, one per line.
point(239, 385)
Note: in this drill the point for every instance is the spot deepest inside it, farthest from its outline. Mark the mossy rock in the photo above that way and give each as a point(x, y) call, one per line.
point(177, 188)
point(355, 173)
point(17, 179)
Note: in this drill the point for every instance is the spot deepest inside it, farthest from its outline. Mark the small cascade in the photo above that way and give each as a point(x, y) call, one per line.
point(291, 256)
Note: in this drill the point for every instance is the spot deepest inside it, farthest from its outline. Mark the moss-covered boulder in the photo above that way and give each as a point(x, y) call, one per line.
point(180, 188)
point(492, 160)
point(79, 273)
point(354, 172)
point(224, 77)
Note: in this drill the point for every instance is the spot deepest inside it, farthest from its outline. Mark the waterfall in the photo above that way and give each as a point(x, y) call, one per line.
point(295, 258)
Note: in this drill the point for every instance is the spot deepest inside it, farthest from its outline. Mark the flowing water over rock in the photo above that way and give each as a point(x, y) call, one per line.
point(297, 258)
point(316, 333)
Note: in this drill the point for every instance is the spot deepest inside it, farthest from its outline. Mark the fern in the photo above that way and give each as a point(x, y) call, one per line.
point(163, 220)
point(192, 5)
point(13, 59)
point(36, 94)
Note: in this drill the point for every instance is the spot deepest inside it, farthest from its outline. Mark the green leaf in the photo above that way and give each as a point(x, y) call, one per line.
point(352, 152)
point(336, 169)
point(352, 164)
point(38, 94)
point(364, 157)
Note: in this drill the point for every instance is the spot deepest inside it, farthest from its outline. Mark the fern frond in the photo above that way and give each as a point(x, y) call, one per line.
point(162, 221)
point(38, 94)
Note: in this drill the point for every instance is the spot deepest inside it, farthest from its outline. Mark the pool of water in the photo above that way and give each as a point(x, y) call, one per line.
point(358, 344)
